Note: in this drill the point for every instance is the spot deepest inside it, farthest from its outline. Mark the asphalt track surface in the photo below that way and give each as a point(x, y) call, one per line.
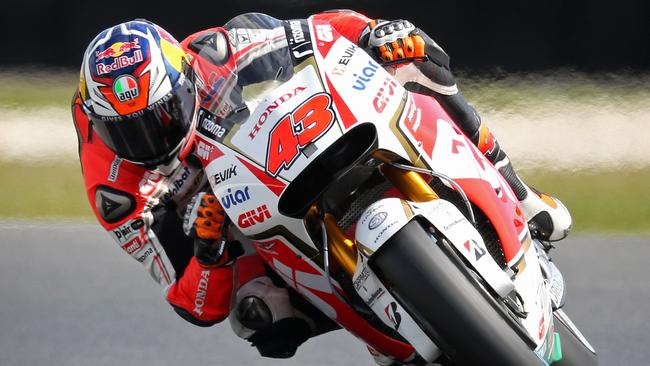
point(69, 296)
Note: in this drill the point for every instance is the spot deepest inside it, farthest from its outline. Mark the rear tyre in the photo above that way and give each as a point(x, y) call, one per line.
point(441, 295)
point(574, 352)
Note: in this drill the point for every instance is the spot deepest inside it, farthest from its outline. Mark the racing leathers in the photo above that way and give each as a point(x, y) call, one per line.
point(142, 209)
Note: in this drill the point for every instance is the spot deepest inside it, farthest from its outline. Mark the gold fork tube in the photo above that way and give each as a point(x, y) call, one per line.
point(410, 183)
point(343, 249)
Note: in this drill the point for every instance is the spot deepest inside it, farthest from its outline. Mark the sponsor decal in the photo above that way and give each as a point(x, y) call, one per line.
point(393, 315)
point(453, 223)
point(413, 117)
point(125, 231)
point(176, 185)
point(377, 220)
point(120, 61)
point(367, 215)
point(115, 170)
point(201, 292)
point(384, 230)
point(298, 130)
point(365, 76)
point(113, 205)
point(297, 34)
point(133, 246)
point(298, 39)
point(254, 217)
point(271, 107)
point(126, 88)
point(243, 37)
point(343, 62)
point(239, 37)
point(146, 255)
point(557, 287)
point(324, 32)
point(232, 199)
point(226, 174)
point(361, 280)
point(141, 112)
point(206, 151)
point(211, 129)
point(203, 150)
point(225, 109)
point(384, 94)
point(473, 246)
point(375, 296)
point(117, 49)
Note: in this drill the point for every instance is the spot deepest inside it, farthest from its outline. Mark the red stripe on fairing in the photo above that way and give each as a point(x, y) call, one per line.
point(345, 315)
point(501, 211)
point(426, 130)
point(347, 117)
point(276, 186)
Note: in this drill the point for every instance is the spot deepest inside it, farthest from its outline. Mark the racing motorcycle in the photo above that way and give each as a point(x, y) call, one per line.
point(369, 202)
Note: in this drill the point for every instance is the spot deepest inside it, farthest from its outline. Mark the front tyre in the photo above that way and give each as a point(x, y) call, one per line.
point(446, 301)
point(574, 352)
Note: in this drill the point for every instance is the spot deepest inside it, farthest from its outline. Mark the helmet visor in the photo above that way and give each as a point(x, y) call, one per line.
point(152, 134)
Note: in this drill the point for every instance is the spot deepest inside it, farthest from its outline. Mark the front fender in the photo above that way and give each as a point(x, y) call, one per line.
point(384, 218)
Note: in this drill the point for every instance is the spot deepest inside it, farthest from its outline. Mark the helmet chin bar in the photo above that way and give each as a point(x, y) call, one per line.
point(167, 165)
point(180, 152)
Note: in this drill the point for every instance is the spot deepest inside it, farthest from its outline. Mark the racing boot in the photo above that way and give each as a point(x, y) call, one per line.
point(548, 218)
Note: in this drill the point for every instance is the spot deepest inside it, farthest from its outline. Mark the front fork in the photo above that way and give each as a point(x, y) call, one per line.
point(409, 183)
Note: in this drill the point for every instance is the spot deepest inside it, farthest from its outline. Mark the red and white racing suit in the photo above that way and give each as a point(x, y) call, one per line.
point(142, 210)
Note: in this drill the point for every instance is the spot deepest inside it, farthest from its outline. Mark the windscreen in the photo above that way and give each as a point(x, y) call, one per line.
point(261, 62)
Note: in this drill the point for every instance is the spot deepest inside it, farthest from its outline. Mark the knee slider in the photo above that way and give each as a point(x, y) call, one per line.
point(253, 313)
point(259, 304)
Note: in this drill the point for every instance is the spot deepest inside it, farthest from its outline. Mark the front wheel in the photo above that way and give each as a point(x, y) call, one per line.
point(574, 351)
point(446, 301)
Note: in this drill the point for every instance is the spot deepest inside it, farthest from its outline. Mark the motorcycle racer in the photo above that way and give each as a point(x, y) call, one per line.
point(138, 104)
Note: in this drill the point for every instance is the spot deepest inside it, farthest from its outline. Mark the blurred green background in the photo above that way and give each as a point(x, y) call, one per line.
point(569, 134)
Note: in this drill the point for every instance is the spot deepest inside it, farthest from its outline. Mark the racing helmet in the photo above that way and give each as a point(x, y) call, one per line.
point(137, 88)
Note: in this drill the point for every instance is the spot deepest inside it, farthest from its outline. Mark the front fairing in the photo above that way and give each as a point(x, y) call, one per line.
point(277, 113)
point(293, 89)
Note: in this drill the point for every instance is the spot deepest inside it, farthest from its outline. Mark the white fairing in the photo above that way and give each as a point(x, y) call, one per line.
point(253, 136)
point(238, 171)
point(389, 310)
point(384, 218)
point(379, 222)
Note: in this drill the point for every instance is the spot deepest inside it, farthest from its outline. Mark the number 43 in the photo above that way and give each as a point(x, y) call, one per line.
point(296, 130)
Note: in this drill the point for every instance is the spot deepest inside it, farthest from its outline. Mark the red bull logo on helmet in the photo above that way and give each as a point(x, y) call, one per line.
point(116, 51)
